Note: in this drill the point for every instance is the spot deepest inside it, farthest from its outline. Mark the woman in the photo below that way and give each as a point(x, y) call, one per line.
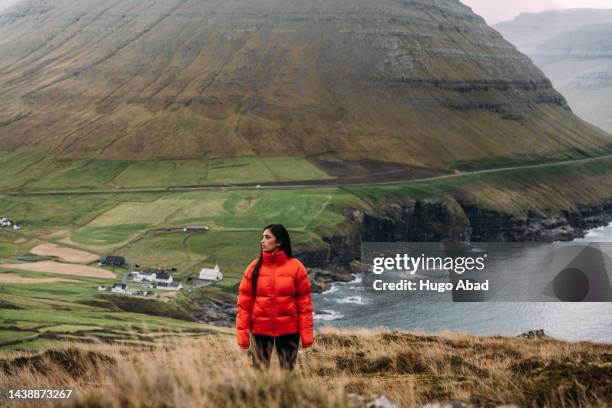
point(274, 302)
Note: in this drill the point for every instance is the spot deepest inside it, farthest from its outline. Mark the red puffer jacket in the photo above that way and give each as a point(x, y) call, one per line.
point(283, 304)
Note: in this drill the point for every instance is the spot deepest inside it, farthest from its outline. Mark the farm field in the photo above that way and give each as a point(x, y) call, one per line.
point(62, 269)
point(31, 172)
point(40, 310)
point(65, 254)
point(147, 229)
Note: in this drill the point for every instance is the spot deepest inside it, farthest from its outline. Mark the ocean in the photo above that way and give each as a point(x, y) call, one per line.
point(354, 305)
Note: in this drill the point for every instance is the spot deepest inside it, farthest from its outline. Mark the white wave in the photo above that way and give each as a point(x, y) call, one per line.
point(358, 300)
point(329, 315)
point(333, 288)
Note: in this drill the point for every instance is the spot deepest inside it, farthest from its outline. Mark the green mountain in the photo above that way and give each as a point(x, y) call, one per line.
point(422, 83)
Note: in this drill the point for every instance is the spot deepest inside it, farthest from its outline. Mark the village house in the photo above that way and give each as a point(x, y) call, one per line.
point(213, 274)
point(5, 222)
point(163, 278)
point(170, 286)
point(122, 288)
point(145, 277)
point(112, 260)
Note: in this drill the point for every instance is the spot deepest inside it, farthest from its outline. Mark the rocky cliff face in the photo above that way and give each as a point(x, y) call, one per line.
point(417, 82)
point(574, 49)
point(446, 220)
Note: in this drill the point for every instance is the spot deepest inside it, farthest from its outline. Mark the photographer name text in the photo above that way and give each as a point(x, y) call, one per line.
point(431, 286)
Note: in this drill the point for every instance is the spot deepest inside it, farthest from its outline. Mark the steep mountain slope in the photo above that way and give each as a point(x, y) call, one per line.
point(574, 49)
point(418, 82)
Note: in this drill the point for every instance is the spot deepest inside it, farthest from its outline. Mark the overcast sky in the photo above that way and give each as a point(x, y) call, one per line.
point(6, 3)
point(495, 11)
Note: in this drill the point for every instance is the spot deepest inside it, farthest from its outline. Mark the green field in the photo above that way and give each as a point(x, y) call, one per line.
point(41, 315)
point(30, 172)
point(146, 228)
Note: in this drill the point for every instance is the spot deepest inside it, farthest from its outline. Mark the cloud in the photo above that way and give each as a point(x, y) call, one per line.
point(586, 3)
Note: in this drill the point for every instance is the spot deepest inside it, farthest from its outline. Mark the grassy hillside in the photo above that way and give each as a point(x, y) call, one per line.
point(40, 310)
point(146, 228)
point(421, 83)
point(343, 369)
point(32, 172)
point(542, 189)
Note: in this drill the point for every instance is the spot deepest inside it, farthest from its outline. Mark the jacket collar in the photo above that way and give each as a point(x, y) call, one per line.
point(274, 259)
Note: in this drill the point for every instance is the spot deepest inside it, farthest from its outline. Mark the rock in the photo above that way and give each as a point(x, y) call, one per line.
point(355, 400)
point(356, 266)
point(448, 404)
point(533, 334)
point(382, 402)
point(446, 219)
point(216, 312)
point(321, 280)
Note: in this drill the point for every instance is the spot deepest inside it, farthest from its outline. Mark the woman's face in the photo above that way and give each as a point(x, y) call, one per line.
point(268, 242)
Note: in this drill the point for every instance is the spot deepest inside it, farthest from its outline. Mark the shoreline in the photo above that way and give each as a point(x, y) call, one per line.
point(342, 257)
point(340, 262)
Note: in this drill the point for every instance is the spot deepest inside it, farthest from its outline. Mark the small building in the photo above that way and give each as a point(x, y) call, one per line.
point(102, 287)
point(145, 277)
point(163, 278)
point(123, 288)
point(112, 260)
point(196, 228)
point(119, 288)
point(213, 274)
point(170, 286)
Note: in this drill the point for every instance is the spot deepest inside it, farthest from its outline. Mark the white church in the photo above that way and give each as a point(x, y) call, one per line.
point(213, 274)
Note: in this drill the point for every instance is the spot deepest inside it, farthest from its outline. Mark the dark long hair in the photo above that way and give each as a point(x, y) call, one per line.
point(282, 235)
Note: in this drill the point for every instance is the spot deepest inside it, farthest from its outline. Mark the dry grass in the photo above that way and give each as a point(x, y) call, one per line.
point(62, 269)
point(8, 278)
point(409, 368)
point(67, 254)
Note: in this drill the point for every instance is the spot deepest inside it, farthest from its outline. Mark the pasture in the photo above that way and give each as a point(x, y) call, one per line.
point(146, 228)
point(32, 172)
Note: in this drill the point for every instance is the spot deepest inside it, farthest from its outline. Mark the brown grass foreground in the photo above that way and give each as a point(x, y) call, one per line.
point(411, 369)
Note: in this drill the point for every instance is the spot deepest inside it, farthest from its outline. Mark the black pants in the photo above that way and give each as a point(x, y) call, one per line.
point(286, 346)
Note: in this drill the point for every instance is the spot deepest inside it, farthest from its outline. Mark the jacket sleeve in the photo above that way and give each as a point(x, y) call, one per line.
point(246, 300)
point(304, 305)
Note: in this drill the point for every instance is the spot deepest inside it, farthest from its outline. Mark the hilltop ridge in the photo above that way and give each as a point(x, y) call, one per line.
point(573, 48)
point(414, 82)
